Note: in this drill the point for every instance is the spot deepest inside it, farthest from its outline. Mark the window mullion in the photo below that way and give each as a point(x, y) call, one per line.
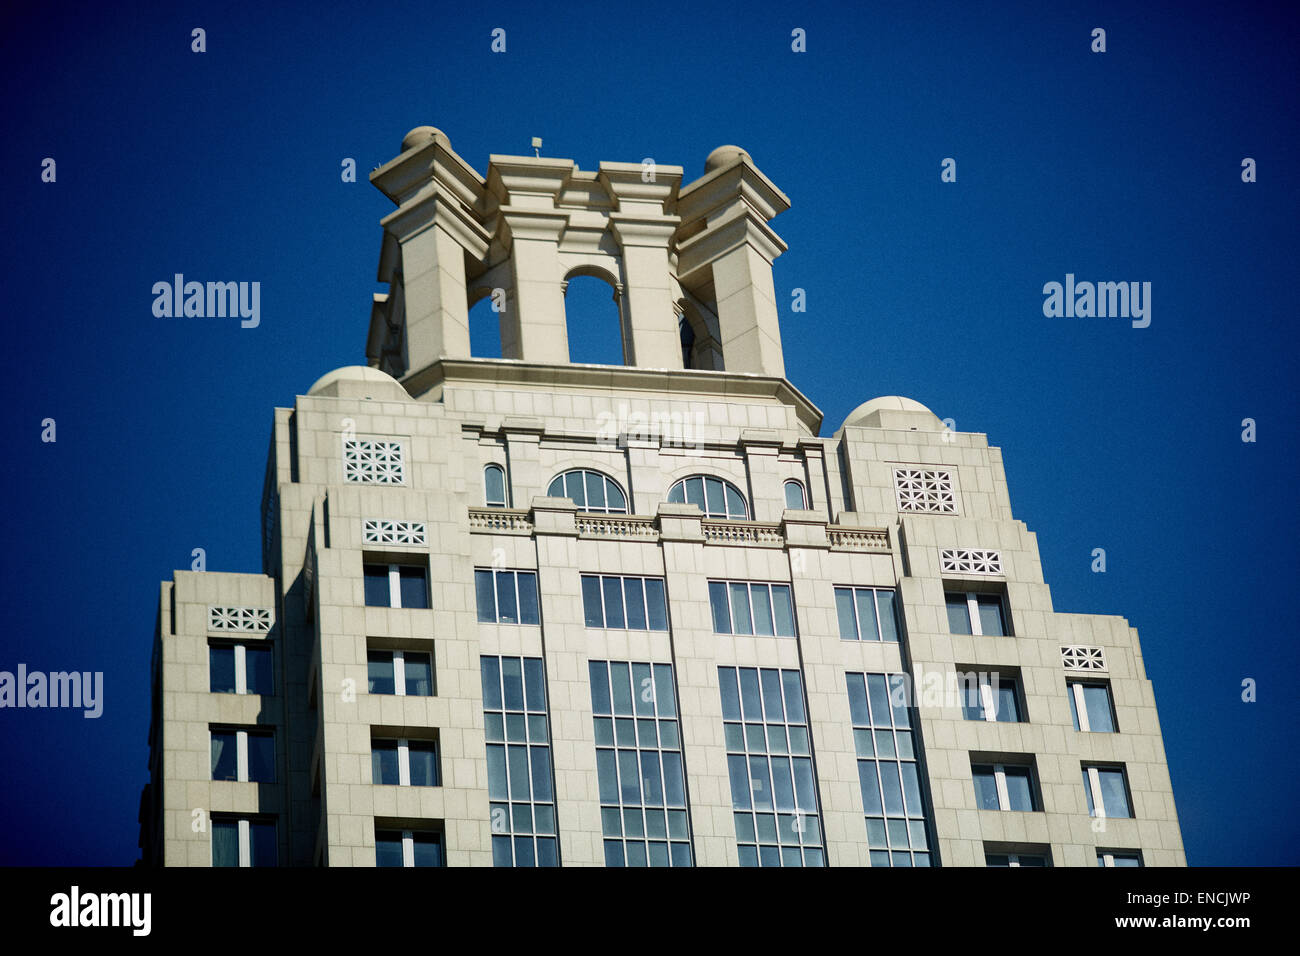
point(973, 609)
point(1080, 707)
point(403, 763)
point(399, 673)
point(241, 755)
point(245, 848)
point(241, 670)
point(408, 848)
point(1098, 801)
point(394, 586)
point(987, 701)
point(1000, 777)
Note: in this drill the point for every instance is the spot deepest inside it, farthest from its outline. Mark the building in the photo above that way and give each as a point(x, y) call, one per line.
point(526, 611)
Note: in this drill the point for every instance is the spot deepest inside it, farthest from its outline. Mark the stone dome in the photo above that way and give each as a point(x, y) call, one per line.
point(421, 135)
point(894, 411)
point(359, 381)
point(724, 156)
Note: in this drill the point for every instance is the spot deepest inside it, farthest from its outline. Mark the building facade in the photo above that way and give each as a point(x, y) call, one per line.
point(521, 611)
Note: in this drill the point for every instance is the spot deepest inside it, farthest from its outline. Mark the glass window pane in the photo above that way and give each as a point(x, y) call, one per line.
point(1008, 701)
point(524, 851)
point(490, 671)
point(528, 613)
point(770, 680)
point(379, 672)
point(721, 609)
point(629, 777)
point(634, 603)
point(898, 694)
point(665, 698)
point(388, 849)
point(656, 604)
point(225, 765)
point(261, 758)
point(866, 614)
point(986, 788)
point(383, 762)
point(848, 618)
point(878, 693)
point(423, 760)
point(600, 702)
point(507, 607)
point(749, 695)
point(643, 691)
point(735, 505)
point(761, 783)
point(870, 788)
point(512, 675)
point(972, 699)
point(556, 488)
point(1096, 699)
point(783, 610)
point(225, 843)
point(1114, 797)
point(652, 779)
point(804, 791)
point(221, 670)
point(717, 505)
point(740, 608)
point(593, 615)
point(495, 482)
point(577, 491)
point(1087, 792)
point(1019, 788)
point(534, 684)
point(1074, 709)
point(541, 766)
point(613, 602)
point(257, 670)
point(607, 776)
point(958, 614)
point(695, 493)
point(517, 762)
point(892, 789)
point(377, 592)
point(991, 618)
point(911, 789)
point(888, 614)
point(793, 697)
point(794, 496)
point(414, 587)
point(674, 780)
point(677, 494)
point(595, 491)
point(484, 596)
point(621, 682)
point(730, 693)
point(761, 600)
point(419, 675)
point(738, 769)
point(614, 500)
point(428, 849)
point(858, 700)
point(261, 840)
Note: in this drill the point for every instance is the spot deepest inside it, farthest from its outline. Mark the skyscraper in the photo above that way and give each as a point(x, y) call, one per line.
point(522, 611)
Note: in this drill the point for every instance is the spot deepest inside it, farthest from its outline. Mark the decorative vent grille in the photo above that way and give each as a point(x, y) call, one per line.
point(925, 491)
point(969, 561)
point(377, 531)
point(256, 620)
point(1076, 657)
point(369, 462)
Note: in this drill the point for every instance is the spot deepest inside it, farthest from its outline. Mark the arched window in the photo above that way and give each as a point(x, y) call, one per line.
point(795, 499)
point(715, 497)
point(590, 491)
point(494, 486)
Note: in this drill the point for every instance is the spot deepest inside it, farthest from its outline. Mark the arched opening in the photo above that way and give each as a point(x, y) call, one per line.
point(485, 323)
point(594, 323)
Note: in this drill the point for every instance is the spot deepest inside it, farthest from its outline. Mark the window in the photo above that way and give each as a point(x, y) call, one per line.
point(1106, 790)
point(1001, 786)
point(769, 760)
point(743, 608)
point(590, 491)
point(1016, 859)
point(240, 669)
point(247, 756)
point(888, 772)
point(637, 604)
point(403, 762)
point(867, 614)
point(795, 499)
point(520, 788)
point(1119, 858)
point(990, 696)
point(396, 585)
point(715, 497)
point(404, 673)
point(243, 841)
point(639, 765)
point(1090, 706)
point(974, 613)
point(506, 597)
point(494, 486)
point(408, 848)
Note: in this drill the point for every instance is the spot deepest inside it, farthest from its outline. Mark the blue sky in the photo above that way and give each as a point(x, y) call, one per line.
point(1117, 166)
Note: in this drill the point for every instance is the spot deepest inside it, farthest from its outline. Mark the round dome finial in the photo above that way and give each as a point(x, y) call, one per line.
point(421, 135)
point(724, 156)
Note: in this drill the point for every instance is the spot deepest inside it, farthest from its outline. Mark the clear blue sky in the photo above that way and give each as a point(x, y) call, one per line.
point(1116, 166)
